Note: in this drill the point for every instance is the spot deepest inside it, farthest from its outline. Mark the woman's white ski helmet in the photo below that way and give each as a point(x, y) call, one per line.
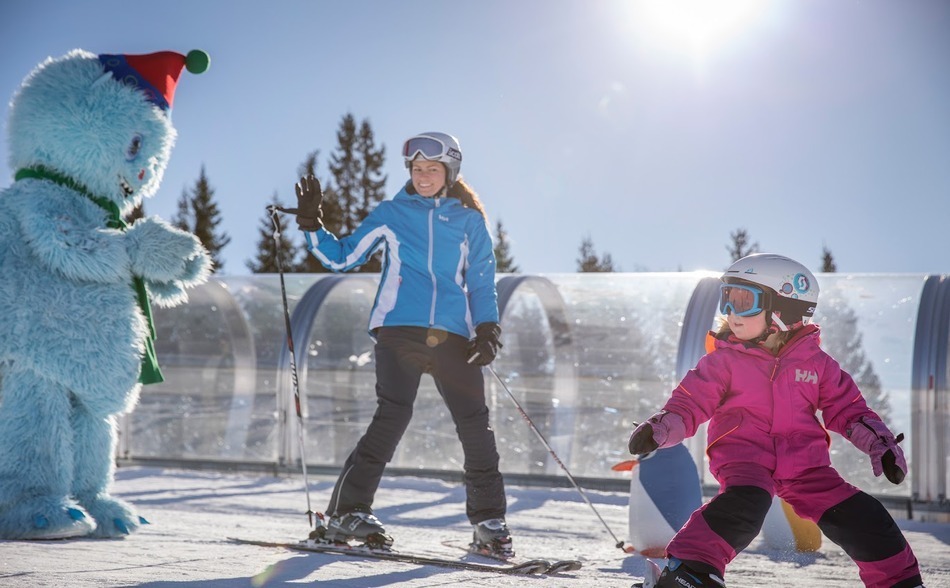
point(790, 288)
point(435, 146)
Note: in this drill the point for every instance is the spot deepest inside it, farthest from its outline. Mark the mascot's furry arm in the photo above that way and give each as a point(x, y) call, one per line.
point(62, 229)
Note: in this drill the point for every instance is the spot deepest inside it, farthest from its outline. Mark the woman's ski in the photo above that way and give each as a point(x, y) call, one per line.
point(554, 567)
point(534, 567)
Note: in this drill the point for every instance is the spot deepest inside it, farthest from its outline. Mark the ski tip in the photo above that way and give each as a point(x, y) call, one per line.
point(531, 567)
point(565, 566)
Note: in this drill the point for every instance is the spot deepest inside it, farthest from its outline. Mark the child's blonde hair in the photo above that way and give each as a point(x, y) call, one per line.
point(773, 342)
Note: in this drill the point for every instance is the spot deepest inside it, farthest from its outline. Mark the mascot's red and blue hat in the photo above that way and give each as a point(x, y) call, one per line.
point(155, 74)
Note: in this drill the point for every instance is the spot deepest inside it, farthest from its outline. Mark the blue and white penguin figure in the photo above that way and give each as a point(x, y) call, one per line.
point(90, 137)
point(664, 491)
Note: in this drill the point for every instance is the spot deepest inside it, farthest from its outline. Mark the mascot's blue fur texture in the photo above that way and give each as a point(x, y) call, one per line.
point(74, 329)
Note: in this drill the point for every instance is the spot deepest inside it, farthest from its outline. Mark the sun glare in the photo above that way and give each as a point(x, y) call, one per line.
point(698, 26)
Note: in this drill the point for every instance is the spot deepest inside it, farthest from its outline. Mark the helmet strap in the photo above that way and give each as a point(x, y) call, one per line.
point(777, 323)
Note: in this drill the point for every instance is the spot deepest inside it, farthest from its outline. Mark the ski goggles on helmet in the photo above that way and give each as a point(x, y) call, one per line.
point(741, 300)
point(429, 148)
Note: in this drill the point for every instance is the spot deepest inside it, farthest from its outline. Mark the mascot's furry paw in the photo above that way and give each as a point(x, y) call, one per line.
point(169, 294)
point(197, 268)
point(45, 518)
point(161, 253)
point(115, 518)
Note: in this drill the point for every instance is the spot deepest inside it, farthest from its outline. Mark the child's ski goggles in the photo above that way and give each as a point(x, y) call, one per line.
point(741, 300)
point(429, 148)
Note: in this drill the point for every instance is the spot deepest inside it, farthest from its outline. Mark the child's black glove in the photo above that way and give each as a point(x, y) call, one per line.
point(641, 441)
point(484, 347)
point(309, 200)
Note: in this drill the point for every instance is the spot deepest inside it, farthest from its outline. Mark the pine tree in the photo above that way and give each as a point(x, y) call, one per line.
point(741, 245)
point(346, 171)
point(504, 262)
point(590, 262)
point(372, 183)
point(182, 219)
point(265, 261)
point(355, 167)
point(207, 218)
point(827, 261)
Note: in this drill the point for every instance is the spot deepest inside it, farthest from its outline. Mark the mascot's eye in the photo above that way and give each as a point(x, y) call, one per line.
point(134, 147)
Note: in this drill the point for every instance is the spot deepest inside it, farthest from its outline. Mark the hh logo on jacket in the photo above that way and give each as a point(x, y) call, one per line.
point(806, 376)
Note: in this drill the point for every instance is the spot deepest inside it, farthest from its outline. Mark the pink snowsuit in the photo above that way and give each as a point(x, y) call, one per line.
point(764, 434)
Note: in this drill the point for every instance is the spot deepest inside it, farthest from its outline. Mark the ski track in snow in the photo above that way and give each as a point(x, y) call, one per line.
point(193, 512)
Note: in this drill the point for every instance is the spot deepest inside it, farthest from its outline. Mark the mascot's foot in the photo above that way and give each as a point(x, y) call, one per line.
point(41, 518)
point(114, 517)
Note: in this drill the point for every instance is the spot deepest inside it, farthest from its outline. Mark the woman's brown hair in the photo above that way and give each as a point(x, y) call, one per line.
point(467, 195)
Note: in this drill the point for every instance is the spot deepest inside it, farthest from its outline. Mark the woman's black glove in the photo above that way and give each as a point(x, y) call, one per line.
point(309, 198)
point(484, 347)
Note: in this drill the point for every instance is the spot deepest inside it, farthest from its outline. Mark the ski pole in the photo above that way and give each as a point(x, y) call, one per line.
point(527, 419)
point(293, 361)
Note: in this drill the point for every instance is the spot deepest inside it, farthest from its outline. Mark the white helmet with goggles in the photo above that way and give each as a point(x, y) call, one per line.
point(435, 147)
point(784, 288)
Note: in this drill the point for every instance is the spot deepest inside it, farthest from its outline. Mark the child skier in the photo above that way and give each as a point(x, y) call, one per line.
point(760, 388)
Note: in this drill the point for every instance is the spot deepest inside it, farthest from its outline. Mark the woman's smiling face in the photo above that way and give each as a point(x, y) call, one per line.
point(428, 177)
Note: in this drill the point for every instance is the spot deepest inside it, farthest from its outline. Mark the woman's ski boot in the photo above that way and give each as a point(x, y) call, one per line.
point(359, 525)
point(492, 538)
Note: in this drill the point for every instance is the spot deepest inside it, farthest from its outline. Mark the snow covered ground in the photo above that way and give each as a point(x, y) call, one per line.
point(192, 513)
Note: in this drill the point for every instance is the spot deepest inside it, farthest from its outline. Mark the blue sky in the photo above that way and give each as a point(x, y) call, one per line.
point(657, 133)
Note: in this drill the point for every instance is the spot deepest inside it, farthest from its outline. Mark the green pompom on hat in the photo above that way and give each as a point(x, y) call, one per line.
point(197, 61)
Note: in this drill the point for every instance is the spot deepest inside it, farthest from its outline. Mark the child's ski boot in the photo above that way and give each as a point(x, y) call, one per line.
point(492, 538)
point(678, 574)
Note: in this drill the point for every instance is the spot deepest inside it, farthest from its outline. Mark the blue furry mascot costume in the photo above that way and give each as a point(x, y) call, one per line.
point(90, 137)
